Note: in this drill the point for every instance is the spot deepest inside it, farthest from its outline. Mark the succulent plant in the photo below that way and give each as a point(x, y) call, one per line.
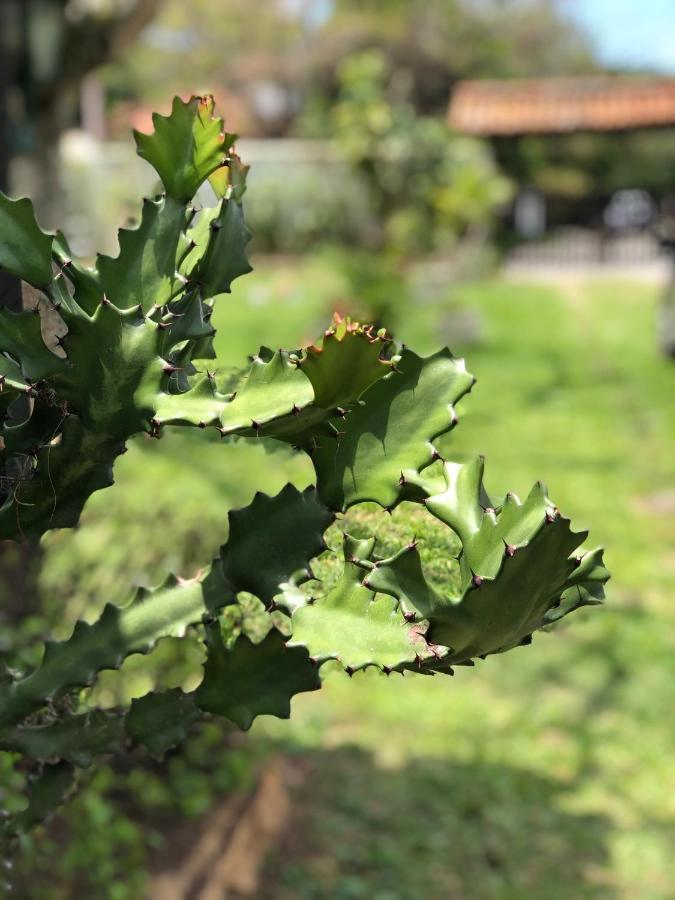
point(125, 348)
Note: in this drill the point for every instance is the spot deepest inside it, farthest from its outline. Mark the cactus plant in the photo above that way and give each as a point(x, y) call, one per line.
point(125, 348)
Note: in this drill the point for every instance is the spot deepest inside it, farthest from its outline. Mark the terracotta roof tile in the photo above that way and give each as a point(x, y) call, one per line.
point(557, 105)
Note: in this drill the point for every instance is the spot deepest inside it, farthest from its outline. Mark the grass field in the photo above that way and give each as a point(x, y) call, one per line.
point(545, 773)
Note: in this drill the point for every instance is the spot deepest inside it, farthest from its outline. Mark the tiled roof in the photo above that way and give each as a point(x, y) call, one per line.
point(555, 105)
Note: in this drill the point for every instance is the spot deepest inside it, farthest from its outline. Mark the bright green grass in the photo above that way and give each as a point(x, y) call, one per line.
point(545, 773)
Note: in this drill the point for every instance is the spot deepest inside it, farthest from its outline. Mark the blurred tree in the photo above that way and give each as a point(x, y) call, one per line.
point(428, 187)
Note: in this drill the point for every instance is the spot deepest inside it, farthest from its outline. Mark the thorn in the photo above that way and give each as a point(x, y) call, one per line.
point(489, 510)
point(511, 550)
point(526, 640)
point(482, 656)
point(215, 225)
point(105, 301)
point(550, 516)
point(201, 424)
point(162, 325)
point(435, 454)
point(476, 581)
point(295, 410)
point(349, 671)
point(255, 425)
point(341, 412)
point(169, 368)
point(402, 480)
point(314, 661)
point(576, 561)
point(386, 670)
point(410, 616)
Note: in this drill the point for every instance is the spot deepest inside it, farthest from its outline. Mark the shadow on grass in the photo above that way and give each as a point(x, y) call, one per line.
point(433, 831)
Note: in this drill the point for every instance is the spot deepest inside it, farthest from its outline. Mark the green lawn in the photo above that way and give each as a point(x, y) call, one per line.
point(544, 773)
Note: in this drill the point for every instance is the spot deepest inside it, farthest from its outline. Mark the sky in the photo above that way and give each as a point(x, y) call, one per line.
point(629, 33)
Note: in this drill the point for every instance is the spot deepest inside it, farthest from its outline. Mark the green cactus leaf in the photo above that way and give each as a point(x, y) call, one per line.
point(273, 540)
point(77, 739)
point(348, 362)
point(484, 530)
point(51, 492)
point(526, 576)
point(353, 626)
point(87, 288)
point(21, 336)
point(250, 680)
point(160, 721)
point(390, 433)
point(120, 631)
point(12, 382)
point(120, 353)
point(145, 273)
point(186, 147)
point(198, 236)
point(48, 789)
point(268, 391)
point(224, 258)
point(25, 250)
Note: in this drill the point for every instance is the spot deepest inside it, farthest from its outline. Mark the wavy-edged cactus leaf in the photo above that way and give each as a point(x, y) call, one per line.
point(536, 579)
point(225, 256)
point(353, 626)
point(25, 250)
point(198, 236)
point(77, 739)
point(21, 336)
point(160, 721)
point(186, 147)
point(145, 272)
point(270, 389)
point(166, 611)
point(250, 680)
point(485, 532)
point(119, 351)
point(389, 434)
point(348, 362)
point(48, 789)
point(12, 382)
point(88, 291)
point(52, 492)
point(273, 541)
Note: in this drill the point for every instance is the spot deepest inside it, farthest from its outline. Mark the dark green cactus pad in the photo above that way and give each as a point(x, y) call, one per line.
point(389, 437)
point(160, 721)
point(250, 680)
point(25, 250)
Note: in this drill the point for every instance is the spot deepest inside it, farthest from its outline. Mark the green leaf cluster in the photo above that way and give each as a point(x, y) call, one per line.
point(131, 353)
